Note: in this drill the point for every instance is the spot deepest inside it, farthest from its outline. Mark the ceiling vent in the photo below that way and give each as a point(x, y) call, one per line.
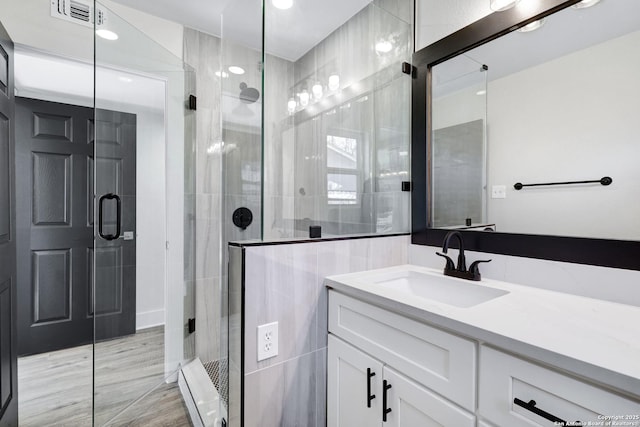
point(76, 11)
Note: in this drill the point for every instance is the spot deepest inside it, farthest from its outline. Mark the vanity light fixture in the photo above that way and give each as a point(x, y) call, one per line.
point(282, 4)
point(532, 26)
point(236, 70)
point(500, 5)
point(384, 46)
point(334, 82)
point(585, 3)
point(222, 74)
point(106, 34)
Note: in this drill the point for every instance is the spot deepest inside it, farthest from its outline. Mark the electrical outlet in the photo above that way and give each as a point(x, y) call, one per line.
point(499, 192)
point(267, 341)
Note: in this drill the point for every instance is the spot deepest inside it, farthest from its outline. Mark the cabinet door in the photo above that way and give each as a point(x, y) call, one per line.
point(350, 402)
point(414, 406)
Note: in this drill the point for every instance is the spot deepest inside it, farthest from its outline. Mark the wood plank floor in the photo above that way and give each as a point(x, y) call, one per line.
point(55, 389)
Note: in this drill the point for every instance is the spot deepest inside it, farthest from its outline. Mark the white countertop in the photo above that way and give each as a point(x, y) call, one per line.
point(595, 339)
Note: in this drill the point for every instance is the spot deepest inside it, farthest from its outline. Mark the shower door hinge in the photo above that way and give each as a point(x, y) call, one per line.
point(224, 423)
point(192, 102)
point(192, 325)
point(406, 185)
point(408, 68)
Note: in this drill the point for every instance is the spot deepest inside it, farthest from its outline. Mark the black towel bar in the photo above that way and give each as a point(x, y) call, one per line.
point(606, 180)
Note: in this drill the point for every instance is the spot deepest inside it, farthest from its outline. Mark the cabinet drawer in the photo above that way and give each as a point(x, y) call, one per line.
point(504, 378)
point(443, 362)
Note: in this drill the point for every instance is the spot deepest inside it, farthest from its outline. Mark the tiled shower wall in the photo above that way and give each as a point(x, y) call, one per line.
point(284, 283)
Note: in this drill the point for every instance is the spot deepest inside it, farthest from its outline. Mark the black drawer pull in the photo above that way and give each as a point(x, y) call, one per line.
point(370, 396)
point(385, 386)
point(531, 406)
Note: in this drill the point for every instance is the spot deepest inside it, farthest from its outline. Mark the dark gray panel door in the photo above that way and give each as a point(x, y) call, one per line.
point(115, 259)
point(8, 356)
point(55, 230)
point(58, 258)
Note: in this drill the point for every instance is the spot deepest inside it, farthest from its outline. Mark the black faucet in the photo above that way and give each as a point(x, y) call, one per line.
point(460, 271)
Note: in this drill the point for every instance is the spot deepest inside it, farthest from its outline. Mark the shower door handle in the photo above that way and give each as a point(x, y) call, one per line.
point(109, 196)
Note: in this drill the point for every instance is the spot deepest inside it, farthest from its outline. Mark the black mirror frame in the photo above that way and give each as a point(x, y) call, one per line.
point(601, 252)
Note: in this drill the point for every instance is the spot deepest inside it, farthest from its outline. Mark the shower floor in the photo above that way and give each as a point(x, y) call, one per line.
point(219, 381)
point(55, 388)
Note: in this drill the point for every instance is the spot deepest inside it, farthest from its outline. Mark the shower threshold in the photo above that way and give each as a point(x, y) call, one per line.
point(200, 394)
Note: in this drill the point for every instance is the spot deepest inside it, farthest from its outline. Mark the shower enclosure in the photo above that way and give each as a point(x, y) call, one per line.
point(290, 121)
point(106, 213)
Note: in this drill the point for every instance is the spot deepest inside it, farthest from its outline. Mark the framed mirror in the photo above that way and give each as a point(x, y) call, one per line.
point(525, 136)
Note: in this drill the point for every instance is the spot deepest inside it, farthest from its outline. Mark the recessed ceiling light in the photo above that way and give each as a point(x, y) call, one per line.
point(384, 46)
point(500, 5)
point(481, 92)
point(282, 4)
point(236, 70)
point(106, 34)
point(585, 3)
point(532, 26)
point(125, 79)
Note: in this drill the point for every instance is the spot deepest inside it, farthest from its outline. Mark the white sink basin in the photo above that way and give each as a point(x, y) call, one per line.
point(441, 288)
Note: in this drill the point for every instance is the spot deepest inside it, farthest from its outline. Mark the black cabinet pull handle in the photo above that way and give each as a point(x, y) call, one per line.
point(531, 406)
point(385, 386)
point(370, 396)
point(109, 196)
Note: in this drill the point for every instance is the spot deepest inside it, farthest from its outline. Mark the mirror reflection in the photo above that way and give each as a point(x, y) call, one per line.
point(550, 105)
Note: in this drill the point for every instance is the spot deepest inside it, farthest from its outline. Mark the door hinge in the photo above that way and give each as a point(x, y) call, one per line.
point(192, 325)
point(407, 68)
point(192, 102)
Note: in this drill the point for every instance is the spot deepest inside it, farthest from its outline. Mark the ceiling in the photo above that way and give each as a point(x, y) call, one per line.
point(564, 32)
point(289, 34)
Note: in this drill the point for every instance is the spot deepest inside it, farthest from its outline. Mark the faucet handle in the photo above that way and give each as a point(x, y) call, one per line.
point(450, 265)
point(473, 268)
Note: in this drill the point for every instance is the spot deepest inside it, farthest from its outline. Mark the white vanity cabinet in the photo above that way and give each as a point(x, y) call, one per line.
point(395, 366)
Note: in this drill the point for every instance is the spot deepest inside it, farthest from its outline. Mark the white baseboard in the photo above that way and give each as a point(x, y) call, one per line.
point(149, 319)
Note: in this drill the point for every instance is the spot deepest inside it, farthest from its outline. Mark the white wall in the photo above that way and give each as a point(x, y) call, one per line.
point(573, 118)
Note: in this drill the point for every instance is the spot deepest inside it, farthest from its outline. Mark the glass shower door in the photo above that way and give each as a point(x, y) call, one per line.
point(142, 283)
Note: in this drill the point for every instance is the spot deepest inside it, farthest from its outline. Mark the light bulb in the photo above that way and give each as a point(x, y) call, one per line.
point(317, 90)
point(304, 98)
point(291, 106)
point(532, 26)
point(500, 5)
point(585, 3)
point(334, 82)
point(282, 4)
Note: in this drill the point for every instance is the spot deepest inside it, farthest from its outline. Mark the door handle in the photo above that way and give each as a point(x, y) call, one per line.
point(109, 196)
point(370, 396)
